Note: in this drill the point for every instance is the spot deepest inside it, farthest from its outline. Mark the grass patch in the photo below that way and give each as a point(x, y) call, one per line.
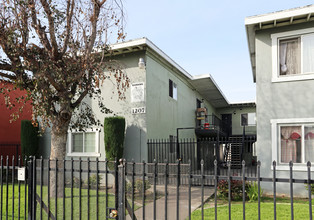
point(301, 209)
point(8, 204)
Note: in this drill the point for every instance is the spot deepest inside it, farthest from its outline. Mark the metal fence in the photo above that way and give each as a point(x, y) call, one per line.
point(55, 189)
point(161, 170)
point(233, 149)
point(93, 189)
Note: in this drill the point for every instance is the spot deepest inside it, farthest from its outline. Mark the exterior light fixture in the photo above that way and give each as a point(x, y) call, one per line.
point(141, 63)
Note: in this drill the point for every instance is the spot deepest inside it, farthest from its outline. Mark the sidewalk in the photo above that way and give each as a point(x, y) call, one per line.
point(196, 193)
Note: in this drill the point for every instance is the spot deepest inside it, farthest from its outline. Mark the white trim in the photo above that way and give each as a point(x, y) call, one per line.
point(279, 15)
point(292, 120)
point(275, 141)
point(83, 154)
point(275, 58)
point(90, 154)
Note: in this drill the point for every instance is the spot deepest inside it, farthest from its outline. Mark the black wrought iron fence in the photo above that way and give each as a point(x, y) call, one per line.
point(161, 171)
point(93, 189)
point(233, 149)
point(54, 189)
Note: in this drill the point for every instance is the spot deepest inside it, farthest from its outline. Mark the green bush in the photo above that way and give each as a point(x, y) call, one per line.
point(76, 182)
point(312, 188)
point(128, 188)
point(114, 128)
point(139, 185)
point(236, 189)
point(252, 192)
point(29, 138)
point(93, 181)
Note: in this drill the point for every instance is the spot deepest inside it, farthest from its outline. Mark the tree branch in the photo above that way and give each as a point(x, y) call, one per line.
point(8, 76)
point(70, 7)
point(5, 66)
point(101, 3)
point(94, 20)
point(79, 100)
point(51, 28)
point(38, 28)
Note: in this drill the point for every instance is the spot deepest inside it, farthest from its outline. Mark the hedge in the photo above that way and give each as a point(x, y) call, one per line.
point(29, 138)
point(114, 128)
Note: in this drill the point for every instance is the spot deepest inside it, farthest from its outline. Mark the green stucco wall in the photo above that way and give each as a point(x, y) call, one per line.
point(236, 112)
point(164, 114)
point(277, 100)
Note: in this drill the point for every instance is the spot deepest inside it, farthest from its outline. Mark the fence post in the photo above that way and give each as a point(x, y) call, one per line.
point(121, 195)
point(30, 187)
point(116, 183)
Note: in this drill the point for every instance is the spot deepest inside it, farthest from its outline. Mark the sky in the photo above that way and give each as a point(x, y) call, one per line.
point(204, 36)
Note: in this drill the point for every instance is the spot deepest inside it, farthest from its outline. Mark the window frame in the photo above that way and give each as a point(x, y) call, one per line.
point(275, 38)
point(70, 152)
point(173, 90)
point(276, 141)
point(252, 125)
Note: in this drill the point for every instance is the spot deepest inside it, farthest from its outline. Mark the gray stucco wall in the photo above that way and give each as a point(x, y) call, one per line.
point(278, 100)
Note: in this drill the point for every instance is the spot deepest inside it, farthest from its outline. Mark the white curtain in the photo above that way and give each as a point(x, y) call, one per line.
point(290, 56)
point(290, 144)
point(308, 53)
point(309, 143)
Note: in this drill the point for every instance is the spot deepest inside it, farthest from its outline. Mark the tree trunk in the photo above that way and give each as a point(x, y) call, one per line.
point(57, 152)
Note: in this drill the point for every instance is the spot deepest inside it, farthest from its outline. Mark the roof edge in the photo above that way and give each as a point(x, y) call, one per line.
point(279, 14)
point(151, 45)
point(203, 76)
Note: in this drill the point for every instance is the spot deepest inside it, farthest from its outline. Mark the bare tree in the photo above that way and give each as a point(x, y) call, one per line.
point(57, 51)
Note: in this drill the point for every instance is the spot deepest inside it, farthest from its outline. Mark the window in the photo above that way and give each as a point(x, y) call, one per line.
point(293, 54)
point(173, 91)
point(290, 56)
point(293, 140)
point(248, 119)
point(83, 143)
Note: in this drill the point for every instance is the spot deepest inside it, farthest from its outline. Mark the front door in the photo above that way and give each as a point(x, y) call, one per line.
point(227, 123)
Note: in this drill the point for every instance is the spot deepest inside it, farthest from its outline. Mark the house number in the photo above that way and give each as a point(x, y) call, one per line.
point(139, 110)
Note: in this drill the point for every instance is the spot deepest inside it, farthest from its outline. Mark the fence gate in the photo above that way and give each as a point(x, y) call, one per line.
point(58, 189)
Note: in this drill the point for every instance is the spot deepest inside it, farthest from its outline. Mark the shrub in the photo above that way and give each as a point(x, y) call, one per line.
point(114, 128)
point(236, 189)
point(252, 191)
point(128, 188)
point(93, 180)
point(139, 185)
point(312, 188)
point(76, 182)
point(29, 138)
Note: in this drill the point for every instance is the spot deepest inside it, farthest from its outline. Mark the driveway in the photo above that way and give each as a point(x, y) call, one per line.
point(196, 193)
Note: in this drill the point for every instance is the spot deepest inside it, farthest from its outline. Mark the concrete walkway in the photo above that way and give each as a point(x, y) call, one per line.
point(196, 193)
